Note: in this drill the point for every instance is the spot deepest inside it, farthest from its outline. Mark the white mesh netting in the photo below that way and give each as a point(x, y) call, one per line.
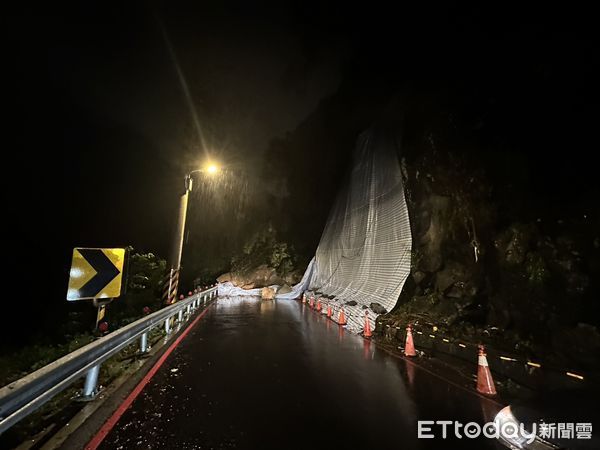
point(365, 251)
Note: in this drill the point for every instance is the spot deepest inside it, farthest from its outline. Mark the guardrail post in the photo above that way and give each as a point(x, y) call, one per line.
point(167, 325)
point(90, 387)
point(180, 316)
point(189, 309)
point(144, 343)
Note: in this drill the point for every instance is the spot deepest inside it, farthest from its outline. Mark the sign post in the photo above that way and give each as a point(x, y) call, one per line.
point(96, 274)
point(101, 305)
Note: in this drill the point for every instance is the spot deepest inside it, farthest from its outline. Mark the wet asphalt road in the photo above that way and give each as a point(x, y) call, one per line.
point(260, 375)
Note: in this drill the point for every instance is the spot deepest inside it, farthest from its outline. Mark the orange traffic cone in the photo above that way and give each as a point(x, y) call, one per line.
point(319, 307)
point(342, 317)
point(329, 311)
point(409, 347)
point(367, 328)
point(303, 298)
point(311, 303)
point(485, 383)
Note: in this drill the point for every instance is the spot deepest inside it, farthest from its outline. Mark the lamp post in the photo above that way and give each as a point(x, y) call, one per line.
point(170, 293)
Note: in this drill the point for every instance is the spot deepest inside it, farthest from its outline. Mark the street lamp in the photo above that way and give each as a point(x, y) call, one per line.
point(170, 294)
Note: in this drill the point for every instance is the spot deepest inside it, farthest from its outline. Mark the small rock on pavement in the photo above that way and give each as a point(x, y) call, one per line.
point(267, 293)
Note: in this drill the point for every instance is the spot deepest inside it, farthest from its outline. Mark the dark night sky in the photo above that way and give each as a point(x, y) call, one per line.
point(101, 134)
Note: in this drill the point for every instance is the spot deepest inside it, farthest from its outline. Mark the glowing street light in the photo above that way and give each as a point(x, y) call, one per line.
point(210, 169)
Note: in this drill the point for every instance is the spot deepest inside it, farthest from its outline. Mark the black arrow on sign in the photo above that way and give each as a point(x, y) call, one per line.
point(106, 272)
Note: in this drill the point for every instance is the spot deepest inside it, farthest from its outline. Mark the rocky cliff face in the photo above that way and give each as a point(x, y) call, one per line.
point(483, 268)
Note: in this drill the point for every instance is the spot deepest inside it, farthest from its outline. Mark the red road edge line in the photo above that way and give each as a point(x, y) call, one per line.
point(112, 421)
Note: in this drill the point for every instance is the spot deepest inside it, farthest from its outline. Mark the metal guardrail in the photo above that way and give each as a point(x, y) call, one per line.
point(22, 397)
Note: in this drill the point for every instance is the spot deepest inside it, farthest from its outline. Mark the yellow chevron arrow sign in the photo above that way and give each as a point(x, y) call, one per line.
point(96, 273)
